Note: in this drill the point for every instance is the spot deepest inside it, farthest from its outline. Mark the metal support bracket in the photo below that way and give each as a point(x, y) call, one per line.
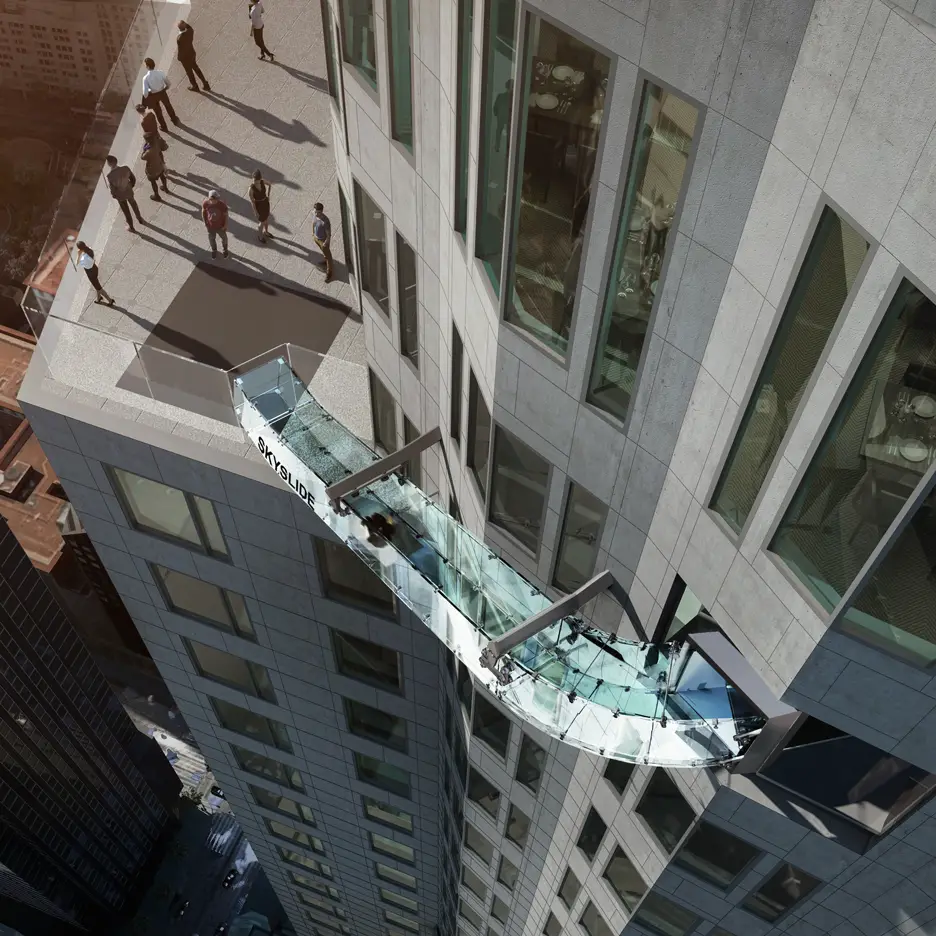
point(382, 467)
point(564, 607)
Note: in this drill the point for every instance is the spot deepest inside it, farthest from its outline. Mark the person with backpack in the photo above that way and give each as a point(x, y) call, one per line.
point(153, 148)
point(215, 216)
point(259, 195)
point(86, 262)
point(121, 182)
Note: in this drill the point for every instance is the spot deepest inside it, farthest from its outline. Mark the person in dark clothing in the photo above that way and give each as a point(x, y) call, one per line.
point(86, 262)
point(255, 12)
point(321, 234)
point(503, 104)
point(259, 195)
point(153, 148)
point(148, 120)
point(186, 56)
point(121, 181)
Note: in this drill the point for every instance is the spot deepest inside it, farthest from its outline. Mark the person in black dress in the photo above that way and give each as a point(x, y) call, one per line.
point(86, 262)
point(259, 195)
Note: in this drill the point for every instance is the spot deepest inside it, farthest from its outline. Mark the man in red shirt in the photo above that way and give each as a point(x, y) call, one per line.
point(215, 215)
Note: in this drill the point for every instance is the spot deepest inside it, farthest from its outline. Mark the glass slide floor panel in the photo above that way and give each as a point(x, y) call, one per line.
point(658, 704)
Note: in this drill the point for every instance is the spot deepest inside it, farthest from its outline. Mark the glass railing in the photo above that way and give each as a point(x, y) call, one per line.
point(661, 704)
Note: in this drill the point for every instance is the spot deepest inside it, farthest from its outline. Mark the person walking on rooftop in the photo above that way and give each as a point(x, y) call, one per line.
point(321, 233)
point(259, 195)
point(153, 148)
point(86, 262)
point(121, 181)
point(255, 12)
point(155, 88)
point(186, 56)
point(215, 215)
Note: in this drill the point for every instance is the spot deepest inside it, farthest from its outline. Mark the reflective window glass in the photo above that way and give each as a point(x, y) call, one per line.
point(330, 71)
point(625, 879)
point(474, 883)
point(396, 850)
point(662, 916)
point(366, 661)
point(360, 48)
point(282, 830)
point(518, 826)
point(305, 861)
point(819, 295)
point(303, 881)
point(467, 913)
point(387, 814)
point(715, 855)
point(395, 876)
point(475, 842)
point(399, 900)
point(231, 670)
point(375, 724)
point(519, 482)
point(408, 301)
point(323, 905)
point(666, 125)
point(593, 923)
point(578, 543)
point(267, 767)
point(618, 773)
point(383, 775)
point(372, 248)
point(383, 413)
point(218, 606)
point(507, 873)
point(569, 888)
point(552, 927)
point(347, 231)
point(483, 792)
point(498, 55)
point(665, 810)
point(563, 113)
point(410, 469)
point(878, 446)
point(782, 891)
point(464, 36)
point(530, 764)
point(234, 718)
point(346, 578)
point(491, 725)
point(456, 386)
point(499, 910)
point(401, 71)
point(479, 433)
point(391, 916)
point(282, 804)
point(592, 833)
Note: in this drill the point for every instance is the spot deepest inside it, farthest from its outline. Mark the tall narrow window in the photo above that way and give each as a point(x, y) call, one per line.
point(530, 764)
point(578, 545)
point(372, 231)
point(591, 835)
point(408, 300)
point(479, 434)
point(822, 287)
point(401, 71)
point(665, 810)
point(500, 25)
point(519, 480)
point(458, 354)
point(410, 469)
point(329, 37)
point(666, 125)
point(347, 231)
point(624, 878)
point(562, 107)
point(383, 414)
point(877, 448)
point(360, 48)
point(464, 53)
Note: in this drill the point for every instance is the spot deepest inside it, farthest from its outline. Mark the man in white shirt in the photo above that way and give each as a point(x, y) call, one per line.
point(255, 12)
point(155, 88)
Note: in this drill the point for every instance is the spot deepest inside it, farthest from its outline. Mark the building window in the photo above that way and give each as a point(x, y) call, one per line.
point(507, 873)
point(569, 889)
point(519, 482)
point(251, 725)
point(386, 873)
point(231, 670)
point(661, 916)
point(401, 72)
point(399, 900)
point(618, 773)
point(466, 913)
point(347, 231)
point(408, 299)
point(372, 249)
point(593, 923)
point(552, 927)
point(499, 910)
point(474, 884)
point(360, 47)
point(386, 846)
point(204, 601)
point(458, 353)
point(665, 810)
point(304, 861)
point(347, 579)
point(464, 55)
point(781, 892)
point(483, 792)
point(479, 433)
point(561, 103)
point(330, 70)
point(411, 468)
point(322, 906)
point(518, 826)
point(874, 453)
point(383, 414)
point(582, 526)
point(166, 511)
point(476, 843)
point(491, 726)
point(294, 835)
point(262, 766)
point(379, 774)
point(376, 725)
point(625, 880)
point(592, 833)
point(368, 662)
point(666, 125)
point(530, 764)
point(819, 295)
point(387, 814)
point(498, 59)
point(326, 889)
point(397, 919)
point(715, 856)
point(282, 804)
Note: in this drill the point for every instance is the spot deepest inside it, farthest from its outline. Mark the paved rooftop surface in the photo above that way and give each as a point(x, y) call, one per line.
point(170, 295)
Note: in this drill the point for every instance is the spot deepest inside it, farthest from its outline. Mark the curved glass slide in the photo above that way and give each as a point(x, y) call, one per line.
point(658, 704)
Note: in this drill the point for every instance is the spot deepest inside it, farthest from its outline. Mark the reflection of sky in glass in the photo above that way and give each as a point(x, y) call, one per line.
point(597, 692)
